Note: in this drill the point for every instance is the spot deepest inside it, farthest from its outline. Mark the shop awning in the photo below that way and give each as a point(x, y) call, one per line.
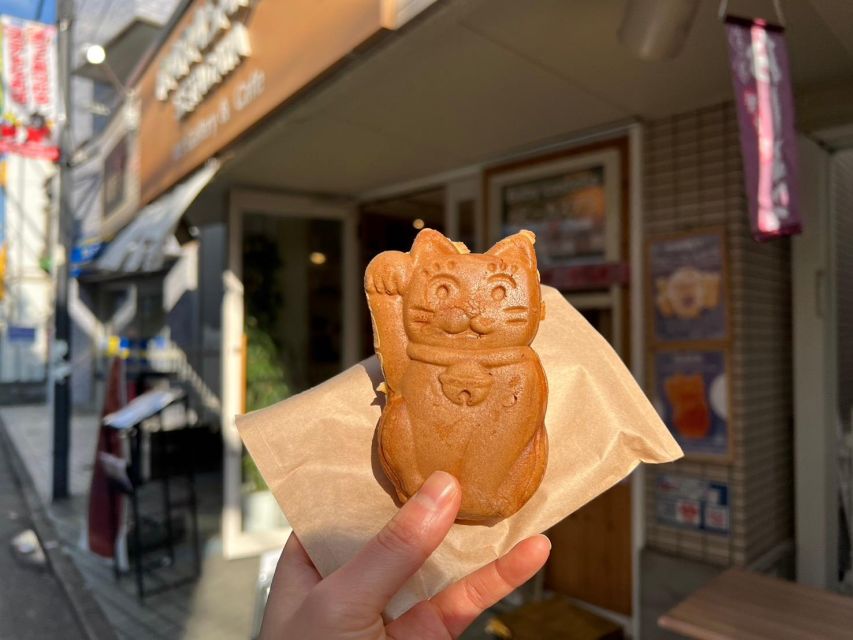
point(145, 243)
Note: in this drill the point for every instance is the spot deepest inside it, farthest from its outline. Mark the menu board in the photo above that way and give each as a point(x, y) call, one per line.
point(688, 288)
point(567, 212)
point(691, 395)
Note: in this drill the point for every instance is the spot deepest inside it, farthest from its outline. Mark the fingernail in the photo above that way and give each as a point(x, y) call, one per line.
point(437, 491)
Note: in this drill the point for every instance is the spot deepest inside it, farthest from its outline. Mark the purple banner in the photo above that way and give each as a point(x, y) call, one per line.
point(765, 105)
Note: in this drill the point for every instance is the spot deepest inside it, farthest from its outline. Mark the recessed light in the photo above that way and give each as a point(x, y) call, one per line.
point(417, 223)
point(317, 257)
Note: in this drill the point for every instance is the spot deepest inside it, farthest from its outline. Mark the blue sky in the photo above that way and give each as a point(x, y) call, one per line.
point(42, 10)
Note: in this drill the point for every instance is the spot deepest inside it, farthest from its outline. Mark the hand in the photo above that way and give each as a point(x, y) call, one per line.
point(348, 603)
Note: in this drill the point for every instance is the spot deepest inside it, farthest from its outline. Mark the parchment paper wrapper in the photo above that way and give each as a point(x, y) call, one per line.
point(316, 452)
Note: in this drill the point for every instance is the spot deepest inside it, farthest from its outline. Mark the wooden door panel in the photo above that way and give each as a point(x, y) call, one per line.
point(591, 555)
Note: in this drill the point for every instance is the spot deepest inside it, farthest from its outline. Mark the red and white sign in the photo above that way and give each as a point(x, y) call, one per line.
point(582, 277)
point(688, 512)
point(30, 104)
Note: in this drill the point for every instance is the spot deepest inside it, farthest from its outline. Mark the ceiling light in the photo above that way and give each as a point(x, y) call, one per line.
point(657, 29)
point(95, 54)
point(317, 258)
point(417, 223)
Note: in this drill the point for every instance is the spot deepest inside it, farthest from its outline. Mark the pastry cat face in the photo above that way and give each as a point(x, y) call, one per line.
point(469, 300)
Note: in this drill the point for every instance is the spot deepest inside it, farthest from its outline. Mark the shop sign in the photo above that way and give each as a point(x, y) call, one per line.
point(691, 395)
point(83, 256)
point(765, 105)
point(187, 74)
point(21, 335)
point(28, 122)
point(693, 503)
point(587, 276)
point(230, 63)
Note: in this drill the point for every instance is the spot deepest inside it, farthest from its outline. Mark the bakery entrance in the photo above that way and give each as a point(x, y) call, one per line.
point(391, 224)
point(576, 202)
point(290, 324)
point(591, 558)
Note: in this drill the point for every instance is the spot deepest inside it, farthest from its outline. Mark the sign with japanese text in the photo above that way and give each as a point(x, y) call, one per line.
point(693, 503)
point(765, 106)
point(566, 212)
point(28, 122)
point(586, 276)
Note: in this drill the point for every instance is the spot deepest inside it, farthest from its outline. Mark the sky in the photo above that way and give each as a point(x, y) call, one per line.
point(43, 10)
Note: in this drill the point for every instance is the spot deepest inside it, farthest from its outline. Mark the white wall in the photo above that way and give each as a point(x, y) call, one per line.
point(814, 375)
point(842, 210)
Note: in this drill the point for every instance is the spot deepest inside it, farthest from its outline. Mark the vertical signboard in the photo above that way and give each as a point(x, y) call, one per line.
point(28, 121)
point(765, 105)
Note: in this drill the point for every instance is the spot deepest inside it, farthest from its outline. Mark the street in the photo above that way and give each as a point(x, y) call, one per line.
point(32, 604)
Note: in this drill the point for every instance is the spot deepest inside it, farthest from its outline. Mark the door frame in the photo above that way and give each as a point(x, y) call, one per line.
point(607, 154)
point(815, 374)
point(462, 189)
point(236, 542)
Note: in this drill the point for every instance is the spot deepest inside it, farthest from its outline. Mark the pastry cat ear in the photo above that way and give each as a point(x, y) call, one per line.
point(518, 246)
point(431, 243)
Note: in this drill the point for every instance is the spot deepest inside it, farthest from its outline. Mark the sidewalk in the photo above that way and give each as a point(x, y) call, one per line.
point(30, 427)
point(32, 602)
point(218, 605)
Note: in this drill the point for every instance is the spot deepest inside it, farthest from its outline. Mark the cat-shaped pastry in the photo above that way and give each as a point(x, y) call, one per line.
point(465, 391)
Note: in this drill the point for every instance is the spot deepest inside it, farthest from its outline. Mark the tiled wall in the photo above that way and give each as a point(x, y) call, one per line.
point(693, 180)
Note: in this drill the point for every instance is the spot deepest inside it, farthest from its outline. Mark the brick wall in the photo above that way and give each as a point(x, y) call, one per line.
point(693, 180)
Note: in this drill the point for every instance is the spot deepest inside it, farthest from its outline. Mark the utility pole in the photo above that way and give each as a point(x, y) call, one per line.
point(61, 367)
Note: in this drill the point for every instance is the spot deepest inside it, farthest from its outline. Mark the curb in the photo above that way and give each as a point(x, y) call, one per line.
point(93, 622)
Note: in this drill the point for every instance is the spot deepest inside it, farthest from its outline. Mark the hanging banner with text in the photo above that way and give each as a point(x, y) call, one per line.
point(28, 121)
point(765, 106)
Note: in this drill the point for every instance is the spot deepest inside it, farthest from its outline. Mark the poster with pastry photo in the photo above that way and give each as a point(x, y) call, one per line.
point(691, 395)
point(687, 281)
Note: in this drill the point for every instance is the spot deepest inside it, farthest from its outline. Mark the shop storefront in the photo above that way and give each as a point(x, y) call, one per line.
point(340, 134)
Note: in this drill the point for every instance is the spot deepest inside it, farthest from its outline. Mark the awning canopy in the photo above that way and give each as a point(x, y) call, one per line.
point(145, 243)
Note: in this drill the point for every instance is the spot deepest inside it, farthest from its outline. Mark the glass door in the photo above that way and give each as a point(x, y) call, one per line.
point(288, 325)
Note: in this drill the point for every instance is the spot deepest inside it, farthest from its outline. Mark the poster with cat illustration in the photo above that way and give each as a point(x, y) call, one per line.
point(691, 396)
point(687, 283)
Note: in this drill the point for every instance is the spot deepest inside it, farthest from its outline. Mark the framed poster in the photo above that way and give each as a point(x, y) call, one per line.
point(692, 397)
point(576, 202)
point(572, 204)
point(688, 287)
point(689, 502)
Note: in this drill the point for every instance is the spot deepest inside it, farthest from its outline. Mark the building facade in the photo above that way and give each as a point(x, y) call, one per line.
point(339, 133)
